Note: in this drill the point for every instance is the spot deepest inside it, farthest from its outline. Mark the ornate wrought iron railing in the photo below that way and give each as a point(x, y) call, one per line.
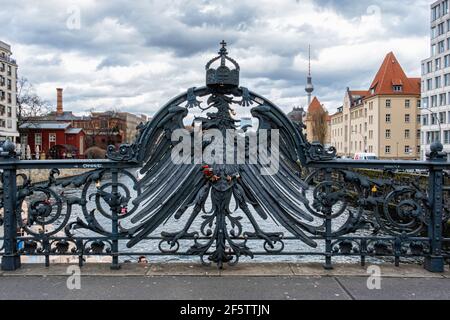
point(355, 216)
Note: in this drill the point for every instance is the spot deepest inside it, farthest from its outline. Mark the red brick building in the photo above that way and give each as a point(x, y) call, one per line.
point(54, 140)
point(101, 128)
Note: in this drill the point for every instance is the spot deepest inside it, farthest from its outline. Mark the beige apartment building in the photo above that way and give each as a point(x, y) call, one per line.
point(384, 120)
point(8, 93)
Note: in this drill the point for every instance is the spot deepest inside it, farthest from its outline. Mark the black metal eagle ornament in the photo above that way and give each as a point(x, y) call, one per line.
point(173, 190)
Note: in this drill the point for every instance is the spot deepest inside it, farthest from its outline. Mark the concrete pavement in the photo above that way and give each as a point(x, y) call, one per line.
point(280, 281)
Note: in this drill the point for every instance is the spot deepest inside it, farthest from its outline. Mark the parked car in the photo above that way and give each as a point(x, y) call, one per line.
point(364, 156)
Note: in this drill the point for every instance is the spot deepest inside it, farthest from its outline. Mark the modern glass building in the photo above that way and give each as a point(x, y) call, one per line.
point(435, 107)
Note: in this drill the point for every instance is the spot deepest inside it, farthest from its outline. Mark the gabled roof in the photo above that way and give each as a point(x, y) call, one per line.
point(391, 74)
point(359, 93)
point(315, 105)
point(74, 130)
point(45, 125)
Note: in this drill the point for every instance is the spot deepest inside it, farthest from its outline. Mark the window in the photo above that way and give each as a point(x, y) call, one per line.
point(447, 136)
point(425, 102)
point(442, 99)
point(442, 117)
point(447, 60)
point(407, 118)
point(437, 63)
point(407, 150)
point(388, 118)
point(447, 79)
point(433, 119)
point(433, 32)
point(370, 119)
point(429, 84)
point(388, 133)
point(397, 88)
point(434, 13)
point(418, 134)
point(388, 103)
point(441, 46)
point(440, 29)
point(370, 134)
point(407, 103)
point(432, 136)
point(38, 139)
point(9, 112)
point(387, 149)
point(430, 65)
point(437, 82)
point(425, 120)
point(433, 50)
point(434, 101)
point(407, 134)
point(52, 137)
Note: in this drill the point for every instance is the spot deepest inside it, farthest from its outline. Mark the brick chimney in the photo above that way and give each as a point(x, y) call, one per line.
point(59, 101)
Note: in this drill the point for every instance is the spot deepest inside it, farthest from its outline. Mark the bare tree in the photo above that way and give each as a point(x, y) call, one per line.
point(319, 123)
point(29, 104)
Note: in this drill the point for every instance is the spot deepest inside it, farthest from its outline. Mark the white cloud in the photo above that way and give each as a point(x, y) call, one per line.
point(137, 55)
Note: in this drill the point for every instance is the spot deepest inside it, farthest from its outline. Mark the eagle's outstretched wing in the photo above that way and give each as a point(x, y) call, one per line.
point(279, 195)
point(166, 187)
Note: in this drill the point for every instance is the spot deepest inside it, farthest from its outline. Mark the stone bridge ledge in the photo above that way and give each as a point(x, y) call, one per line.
point(241, 270)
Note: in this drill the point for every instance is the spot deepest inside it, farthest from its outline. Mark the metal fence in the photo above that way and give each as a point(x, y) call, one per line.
point(376, 217)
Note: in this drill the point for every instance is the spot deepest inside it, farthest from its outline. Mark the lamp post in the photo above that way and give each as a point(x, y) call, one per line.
point(439, 123)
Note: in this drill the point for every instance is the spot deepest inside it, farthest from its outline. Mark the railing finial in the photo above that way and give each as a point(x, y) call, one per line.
point(8, 149)
point(436, 152)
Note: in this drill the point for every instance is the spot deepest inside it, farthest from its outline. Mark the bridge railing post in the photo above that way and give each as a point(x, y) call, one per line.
point(434, 262)
point(115, 207)
point(11, 257)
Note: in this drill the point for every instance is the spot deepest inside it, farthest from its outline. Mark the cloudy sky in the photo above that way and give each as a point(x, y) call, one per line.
point(135, 55)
